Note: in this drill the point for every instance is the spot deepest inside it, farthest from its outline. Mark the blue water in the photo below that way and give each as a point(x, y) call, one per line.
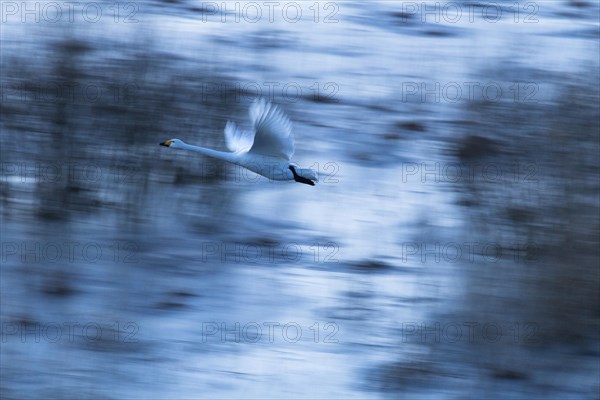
point(168, 275)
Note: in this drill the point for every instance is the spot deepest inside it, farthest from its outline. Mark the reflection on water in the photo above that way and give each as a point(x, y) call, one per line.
point(449, 250)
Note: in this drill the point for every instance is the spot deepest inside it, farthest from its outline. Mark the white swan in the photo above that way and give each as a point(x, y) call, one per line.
point(266, 150)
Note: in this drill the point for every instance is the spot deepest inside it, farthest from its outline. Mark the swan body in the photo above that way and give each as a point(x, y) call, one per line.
point(266, 150)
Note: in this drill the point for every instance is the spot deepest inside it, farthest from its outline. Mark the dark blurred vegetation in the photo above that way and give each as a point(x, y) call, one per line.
point(91, 131)
point(534, 193)
point(543, 211)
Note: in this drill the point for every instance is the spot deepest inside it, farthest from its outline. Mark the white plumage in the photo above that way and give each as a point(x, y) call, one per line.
point(266, 150)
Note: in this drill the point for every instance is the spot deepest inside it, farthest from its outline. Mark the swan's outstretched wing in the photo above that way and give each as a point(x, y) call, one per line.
point(273, 128)
point(236, 139)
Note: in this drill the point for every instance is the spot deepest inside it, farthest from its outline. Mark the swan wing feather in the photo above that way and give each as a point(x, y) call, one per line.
point(238, 140)
point(273, 129)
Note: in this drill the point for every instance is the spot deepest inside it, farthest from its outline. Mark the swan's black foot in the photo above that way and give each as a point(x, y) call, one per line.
point(299, 178)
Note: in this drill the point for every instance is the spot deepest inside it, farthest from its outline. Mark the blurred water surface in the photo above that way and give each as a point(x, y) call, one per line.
point(450, 249)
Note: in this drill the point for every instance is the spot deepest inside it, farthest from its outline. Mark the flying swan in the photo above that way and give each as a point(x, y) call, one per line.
point(266, 150)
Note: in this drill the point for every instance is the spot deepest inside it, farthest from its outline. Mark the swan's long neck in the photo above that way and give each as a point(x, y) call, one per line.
point(209, 152)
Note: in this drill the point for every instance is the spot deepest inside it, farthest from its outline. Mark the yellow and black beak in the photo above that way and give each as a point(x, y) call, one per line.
point(166, 143)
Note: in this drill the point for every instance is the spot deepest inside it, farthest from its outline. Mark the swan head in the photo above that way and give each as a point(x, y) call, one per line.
point(304, 175)
point(175, 143)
